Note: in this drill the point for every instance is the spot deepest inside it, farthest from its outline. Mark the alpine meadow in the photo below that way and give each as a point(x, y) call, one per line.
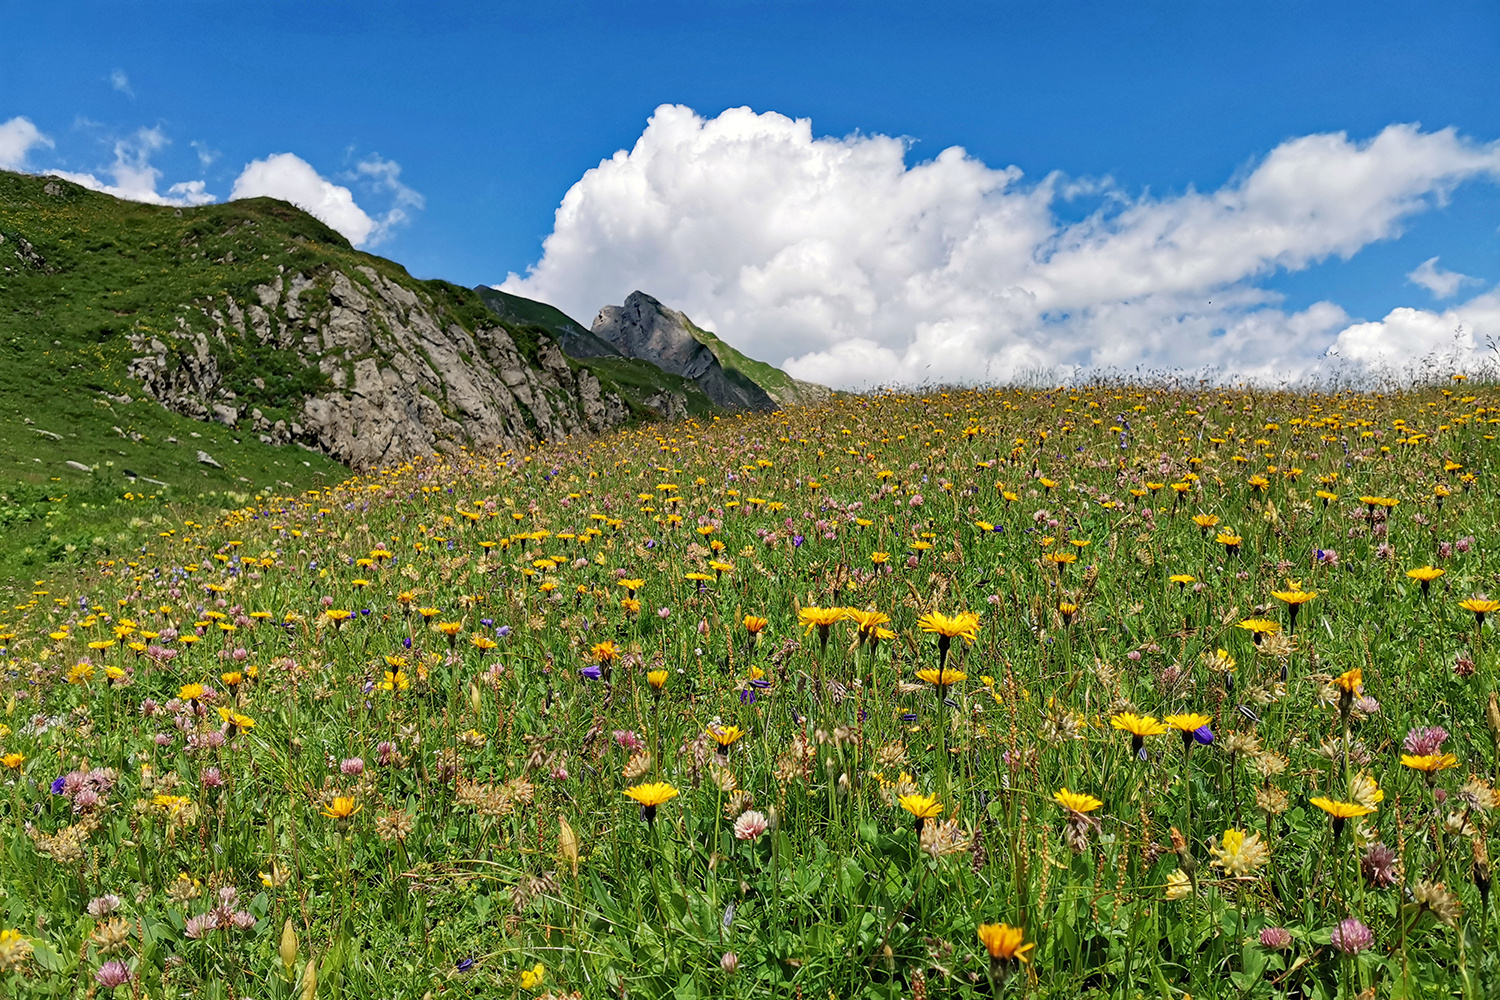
point(1115, 690)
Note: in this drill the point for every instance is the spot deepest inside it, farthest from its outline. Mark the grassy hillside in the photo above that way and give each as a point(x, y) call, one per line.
point(777, 384)
point(96, 269)
point(572, 336)
point(1108, 693)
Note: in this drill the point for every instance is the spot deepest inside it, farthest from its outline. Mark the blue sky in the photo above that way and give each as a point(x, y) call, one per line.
point(494, 114)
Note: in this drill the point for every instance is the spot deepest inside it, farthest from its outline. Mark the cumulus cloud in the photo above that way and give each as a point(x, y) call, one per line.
point(17, 138)
point(1442, 284)
point(135, 178)
point(1461, 335)
point(835, 259)
point(121, 82)
point(293, 179)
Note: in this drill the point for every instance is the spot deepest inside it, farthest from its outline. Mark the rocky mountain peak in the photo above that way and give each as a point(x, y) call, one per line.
point(644, 328)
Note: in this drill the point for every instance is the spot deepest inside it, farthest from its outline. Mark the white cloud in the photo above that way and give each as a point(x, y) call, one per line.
point(385, 176)
point(833, 258)
point(1442, 284)
point(17, 138)
point(206, 154)
point(1461, 335)
point(135, 178)
point(121, 82)
point(292, 179)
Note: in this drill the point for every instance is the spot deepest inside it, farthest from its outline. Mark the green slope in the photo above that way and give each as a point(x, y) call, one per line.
point(780, 386)
point(572, 336)
point(632, 378)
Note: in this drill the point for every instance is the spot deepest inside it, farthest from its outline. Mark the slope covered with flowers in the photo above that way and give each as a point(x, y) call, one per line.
point(978, 692)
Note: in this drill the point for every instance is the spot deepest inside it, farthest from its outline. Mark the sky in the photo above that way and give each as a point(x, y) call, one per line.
point(862, 193)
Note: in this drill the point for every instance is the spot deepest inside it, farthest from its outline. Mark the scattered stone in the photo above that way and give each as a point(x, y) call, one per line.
point(77, 465)
point(50, 434)
point(204, 458)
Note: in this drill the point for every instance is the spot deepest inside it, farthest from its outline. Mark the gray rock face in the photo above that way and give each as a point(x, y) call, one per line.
point(644, 328)
point(404, 378)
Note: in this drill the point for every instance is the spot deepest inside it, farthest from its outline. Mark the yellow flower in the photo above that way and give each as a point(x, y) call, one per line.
point(1183, 579)
point(1077, 802)
point(13, 760)
point(235, 719)
point(1137, 725)
point(532, 978)
point(1341, 810)
point(1364, 790)
point(651, 795)
point(190, 692)
point(450, 629)
point(1480, 606)
point(394, 681)
point(1238, 853)
point(941, 678)
point(725, 735)
point(1187, 723)
point(820, 618)
point(921, 806)
point(1429, 763)
point(1350, 680)
point(481, 641)
point(1425, 574)
point(1260, 626)
point(1179, 886)
point(1294, 597)
point(14, 949)
point(342, 807)
point(604, 652)
point(656, 678)
point(963, 625)
point(868, 622)
point(1004, 942)
point(754, 624)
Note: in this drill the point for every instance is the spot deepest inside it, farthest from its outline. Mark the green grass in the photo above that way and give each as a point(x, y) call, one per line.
point(486, 829)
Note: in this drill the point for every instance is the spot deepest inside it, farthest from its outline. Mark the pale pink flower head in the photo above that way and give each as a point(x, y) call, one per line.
point(751, 824)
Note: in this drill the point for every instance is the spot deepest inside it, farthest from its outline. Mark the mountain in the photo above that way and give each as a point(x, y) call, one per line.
point(258, 317)
point(645, 329)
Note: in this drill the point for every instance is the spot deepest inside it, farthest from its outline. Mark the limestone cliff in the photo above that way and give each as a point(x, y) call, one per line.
point(391, 371)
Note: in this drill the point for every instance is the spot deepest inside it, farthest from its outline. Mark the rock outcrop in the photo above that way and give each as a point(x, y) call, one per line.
point(645, 329)
point(390, 372)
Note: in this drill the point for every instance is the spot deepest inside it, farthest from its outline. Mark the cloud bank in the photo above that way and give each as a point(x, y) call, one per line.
point(833, 258)
point(293, 179)
point(18, 137)
point(132, 175)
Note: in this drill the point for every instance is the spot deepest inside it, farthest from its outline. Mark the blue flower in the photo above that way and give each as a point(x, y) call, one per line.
point(797, 541)
point(1203, 735)
point(592, 673)
point(57, 786)
point(465, 964)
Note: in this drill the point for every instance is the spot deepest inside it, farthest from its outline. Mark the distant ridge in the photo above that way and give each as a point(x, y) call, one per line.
point(644, 328)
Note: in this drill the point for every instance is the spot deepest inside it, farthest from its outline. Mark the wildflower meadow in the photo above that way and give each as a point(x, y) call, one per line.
point(1115, 691)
